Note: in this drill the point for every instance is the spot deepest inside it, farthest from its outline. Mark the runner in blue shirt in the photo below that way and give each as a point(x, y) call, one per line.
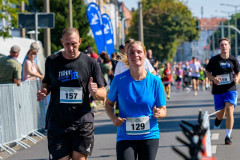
point(141, 103)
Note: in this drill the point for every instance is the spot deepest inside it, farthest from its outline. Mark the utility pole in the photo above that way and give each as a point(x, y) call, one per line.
point(47, 33)
point(222, 29)
point(70, 13)
point(23, 30)
point(140, 23)
point(36, 26)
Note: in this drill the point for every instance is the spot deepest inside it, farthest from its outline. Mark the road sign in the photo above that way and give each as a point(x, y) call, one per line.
point(27, 20)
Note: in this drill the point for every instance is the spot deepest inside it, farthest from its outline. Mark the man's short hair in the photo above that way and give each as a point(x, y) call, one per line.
point(89, 49)
point(193, 57)
point(224, 39)
point(14, 49)
point(34, 46)
point(121, 46)
point(70, 30)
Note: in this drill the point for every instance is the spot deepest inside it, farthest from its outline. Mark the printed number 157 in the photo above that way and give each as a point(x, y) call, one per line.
point(71, 95)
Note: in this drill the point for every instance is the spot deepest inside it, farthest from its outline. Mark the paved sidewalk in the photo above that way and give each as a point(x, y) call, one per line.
point(41, 143)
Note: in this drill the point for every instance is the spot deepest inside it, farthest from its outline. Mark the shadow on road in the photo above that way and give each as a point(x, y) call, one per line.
point(105, 129)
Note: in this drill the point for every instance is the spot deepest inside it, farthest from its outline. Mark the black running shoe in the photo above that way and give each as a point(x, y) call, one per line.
point(228, 141)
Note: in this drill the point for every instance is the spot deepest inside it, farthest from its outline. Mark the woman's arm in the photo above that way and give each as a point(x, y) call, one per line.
point(117, 121)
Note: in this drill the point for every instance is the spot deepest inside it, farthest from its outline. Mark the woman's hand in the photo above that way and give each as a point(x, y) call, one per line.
point(160, 112)
point(118, 121)
point(156, 112)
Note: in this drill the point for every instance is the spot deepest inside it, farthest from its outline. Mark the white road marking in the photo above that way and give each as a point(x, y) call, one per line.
point(215, 136)
point(214, 149)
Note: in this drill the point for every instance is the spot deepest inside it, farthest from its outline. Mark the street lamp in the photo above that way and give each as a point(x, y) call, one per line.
point(236, 44)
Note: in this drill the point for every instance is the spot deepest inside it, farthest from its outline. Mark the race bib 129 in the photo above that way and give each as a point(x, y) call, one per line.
point(137, 126)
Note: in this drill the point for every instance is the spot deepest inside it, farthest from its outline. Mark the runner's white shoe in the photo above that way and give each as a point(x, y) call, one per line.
point(195, 93)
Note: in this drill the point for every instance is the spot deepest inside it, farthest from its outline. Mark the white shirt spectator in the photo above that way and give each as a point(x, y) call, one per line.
point(121, 67)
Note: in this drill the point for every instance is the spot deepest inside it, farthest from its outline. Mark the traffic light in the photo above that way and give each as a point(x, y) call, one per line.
point(198, 26)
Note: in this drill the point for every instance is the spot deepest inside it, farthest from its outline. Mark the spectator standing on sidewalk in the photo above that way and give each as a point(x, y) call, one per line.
point(106, 67)
point(141, 103)
point(71, 76)
point(89, 50)
point(10, 68)
point(224, 70)
point(30, 70)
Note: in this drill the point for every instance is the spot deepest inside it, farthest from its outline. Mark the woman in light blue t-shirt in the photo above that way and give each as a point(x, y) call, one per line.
point(141, 103)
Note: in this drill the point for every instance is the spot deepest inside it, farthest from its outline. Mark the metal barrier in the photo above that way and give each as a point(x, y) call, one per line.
point(20, 114)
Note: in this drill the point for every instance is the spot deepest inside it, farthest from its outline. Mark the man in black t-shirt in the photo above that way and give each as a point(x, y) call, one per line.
point(71, 77)
point(224, 71)
point(152, 60)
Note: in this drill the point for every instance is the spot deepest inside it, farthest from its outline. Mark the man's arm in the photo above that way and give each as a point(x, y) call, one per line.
point(156, 64)
point(236, 79)
point(211, 77)
point(41, 94)
point(100, 94)
point(17, 81)
point(97, 93)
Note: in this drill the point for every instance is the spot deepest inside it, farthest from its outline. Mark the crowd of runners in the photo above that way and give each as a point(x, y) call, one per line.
point(73, 79)
point(184, 76)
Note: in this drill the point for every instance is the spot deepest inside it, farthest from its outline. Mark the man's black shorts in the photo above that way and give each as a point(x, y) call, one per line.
point(197, 78)
point(80, 140)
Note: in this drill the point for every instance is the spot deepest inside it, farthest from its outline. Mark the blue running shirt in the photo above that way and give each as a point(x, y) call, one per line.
point(137, 99)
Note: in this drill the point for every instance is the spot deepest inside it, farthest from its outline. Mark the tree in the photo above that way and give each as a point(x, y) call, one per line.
point(167, 23)
point(60, 8)
point(9, 11)
point(218, 35)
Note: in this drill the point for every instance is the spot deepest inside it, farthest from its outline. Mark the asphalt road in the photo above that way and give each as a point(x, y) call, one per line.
point(181, 106)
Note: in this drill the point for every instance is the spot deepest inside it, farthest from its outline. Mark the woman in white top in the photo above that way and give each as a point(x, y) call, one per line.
point(30, 69)
point(121, 67)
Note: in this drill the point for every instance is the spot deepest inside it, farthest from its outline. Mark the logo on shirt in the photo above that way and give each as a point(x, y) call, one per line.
point(225, 65)
point(67, 75)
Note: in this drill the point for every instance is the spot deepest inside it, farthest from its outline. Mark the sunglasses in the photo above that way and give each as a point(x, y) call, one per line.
point(33, 53)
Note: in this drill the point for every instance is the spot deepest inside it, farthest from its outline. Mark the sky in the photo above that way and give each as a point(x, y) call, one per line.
point(211, 8)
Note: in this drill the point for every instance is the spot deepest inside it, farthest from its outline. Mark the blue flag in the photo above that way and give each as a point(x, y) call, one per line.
point(95, 22)
point(108, 33)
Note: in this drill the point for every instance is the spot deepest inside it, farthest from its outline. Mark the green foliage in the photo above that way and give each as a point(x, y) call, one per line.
point(9, 7)
point(167, 23)
point(60, 8)
point(218, 35)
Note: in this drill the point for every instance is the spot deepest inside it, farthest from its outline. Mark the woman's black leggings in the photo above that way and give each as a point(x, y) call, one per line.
point(137, 149)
